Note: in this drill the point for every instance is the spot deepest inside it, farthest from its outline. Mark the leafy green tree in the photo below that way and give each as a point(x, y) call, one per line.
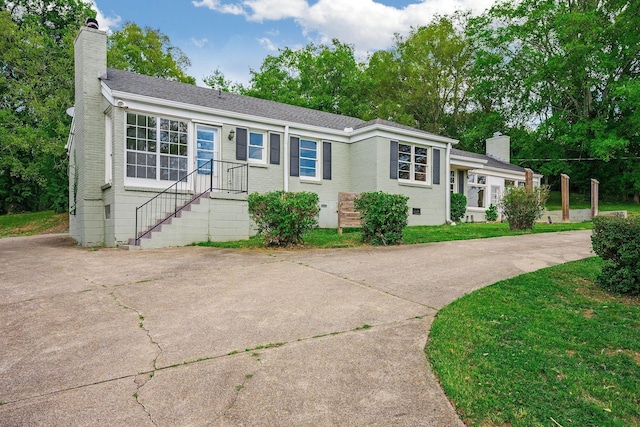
point(424, 81)
point(325, 78)
point(147, 51)
point(568, 70)
point(36, 87)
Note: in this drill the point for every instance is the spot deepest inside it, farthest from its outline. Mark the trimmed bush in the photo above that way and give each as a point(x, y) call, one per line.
point(383, 216)
point(617, 242)
point(282, 217)
point(522, 208)
point(458, 206)
point(491, 214)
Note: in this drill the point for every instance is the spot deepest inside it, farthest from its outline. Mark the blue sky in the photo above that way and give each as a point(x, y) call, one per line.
point(236, 35)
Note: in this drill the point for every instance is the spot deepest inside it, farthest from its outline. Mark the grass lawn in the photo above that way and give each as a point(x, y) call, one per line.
point(329, 238)
point(547, 348)
point(582, 201)
point(28, 224)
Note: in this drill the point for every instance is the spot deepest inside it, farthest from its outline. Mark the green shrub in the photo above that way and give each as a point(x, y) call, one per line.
point(458, 206)
point(491, 214)
point(282, 217)
point(383, 217)
point(617, 241)
point(522, 208)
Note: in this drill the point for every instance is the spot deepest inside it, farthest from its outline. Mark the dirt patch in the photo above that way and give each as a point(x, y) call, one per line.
point(587, 314)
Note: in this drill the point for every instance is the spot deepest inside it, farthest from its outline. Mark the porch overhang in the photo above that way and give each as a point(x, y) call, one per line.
point(466, 163)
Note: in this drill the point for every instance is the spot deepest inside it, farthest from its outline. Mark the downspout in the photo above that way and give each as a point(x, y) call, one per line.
point(285, 169)
point(447, 197)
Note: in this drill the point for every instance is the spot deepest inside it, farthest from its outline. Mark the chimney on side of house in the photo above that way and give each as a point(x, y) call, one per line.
point(499, 147)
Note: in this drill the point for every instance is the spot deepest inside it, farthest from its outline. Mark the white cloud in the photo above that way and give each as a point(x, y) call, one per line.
point(199, 42)
point(267, 44)
point(232, 9)
point(367, 24)
point(106, 23)
point(274, 10)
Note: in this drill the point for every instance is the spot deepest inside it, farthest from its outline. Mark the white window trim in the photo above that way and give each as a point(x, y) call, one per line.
point(263, 159)
point(412, 180)
point(318, 161)
point(484, 186)
point(157, 183)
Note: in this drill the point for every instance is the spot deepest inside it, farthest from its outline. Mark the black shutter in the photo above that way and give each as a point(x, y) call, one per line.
point(436, 166)
point(393, 160)
point(274, 149)
point(326, 160)
point(294, 157)
point(241, 144)
point(461, 182)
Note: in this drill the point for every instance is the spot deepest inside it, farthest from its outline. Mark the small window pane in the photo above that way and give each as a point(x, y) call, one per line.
point(404, 175)
point(307, 172)
point(307, 144)
point(255, 153)
point(421, 177)
point(421, 151)
point(404, 166)
point(131, 119)
point(421, 159)
point(131, 171)
point(404, 157)
point(482, 179)
point(256, 139)
point(404, 148)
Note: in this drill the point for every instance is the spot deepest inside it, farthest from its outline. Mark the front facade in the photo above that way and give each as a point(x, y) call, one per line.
point(133, 136)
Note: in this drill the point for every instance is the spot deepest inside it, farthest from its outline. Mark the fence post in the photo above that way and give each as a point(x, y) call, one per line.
point(565, 196)
point(595, 186)
point(528, 179)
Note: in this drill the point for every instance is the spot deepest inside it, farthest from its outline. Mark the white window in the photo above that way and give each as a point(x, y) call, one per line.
point(156, 148)
point(495, 195)
point(477, 188)
point(452, 181)
point(308, 158)
point(413, 163)
point(256, 148)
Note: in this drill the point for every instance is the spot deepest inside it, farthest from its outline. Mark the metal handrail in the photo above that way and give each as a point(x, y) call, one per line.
point(224, 176)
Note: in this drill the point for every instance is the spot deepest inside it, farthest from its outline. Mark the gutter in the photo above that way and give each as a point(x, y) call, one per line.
point(285, 169)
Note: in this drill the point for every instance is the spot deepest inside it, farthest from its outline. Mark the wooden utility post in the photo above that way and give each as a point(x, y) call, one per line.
point(595, 187)
point(528, 179)
point(564, 186)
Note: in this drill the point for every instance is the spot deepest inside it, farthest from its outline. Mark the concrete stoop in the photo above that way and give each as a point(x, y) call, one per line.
point(189, 225)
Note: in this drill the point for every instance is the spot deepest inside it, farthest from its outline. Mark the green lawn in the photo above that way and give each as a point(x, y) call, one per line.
point(329, 238)
point(547, 348)
point(28, 224)
point(582, 201)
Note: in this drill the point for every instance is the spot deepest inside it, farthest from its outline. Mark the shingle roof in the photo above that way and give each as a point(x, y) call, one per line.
point(138, 84)
point(492, 162)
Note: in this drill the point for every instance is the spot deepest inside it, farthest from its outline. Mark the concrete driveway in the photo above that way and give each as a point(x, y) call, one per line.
point(199, 336)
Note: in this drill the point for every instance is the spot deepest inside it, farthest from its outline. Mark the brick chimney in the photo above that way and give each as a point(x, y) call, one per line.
point(499, 147)
point(87, 152)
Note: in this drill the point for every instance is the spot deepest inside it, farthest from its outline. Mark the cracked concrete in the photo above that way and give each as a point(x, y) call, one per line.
point(200, 336)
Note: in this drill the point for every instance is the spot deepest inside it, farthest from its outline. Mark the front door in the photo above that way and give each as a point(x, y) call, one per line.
point(207, 142)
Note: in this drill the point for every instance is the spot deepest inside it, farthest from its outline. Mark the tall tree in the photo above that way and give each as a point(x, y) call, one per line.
point(425, 79)
point(36, 87)
point(568, 70)
point(326, 78)
point(147, 51)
